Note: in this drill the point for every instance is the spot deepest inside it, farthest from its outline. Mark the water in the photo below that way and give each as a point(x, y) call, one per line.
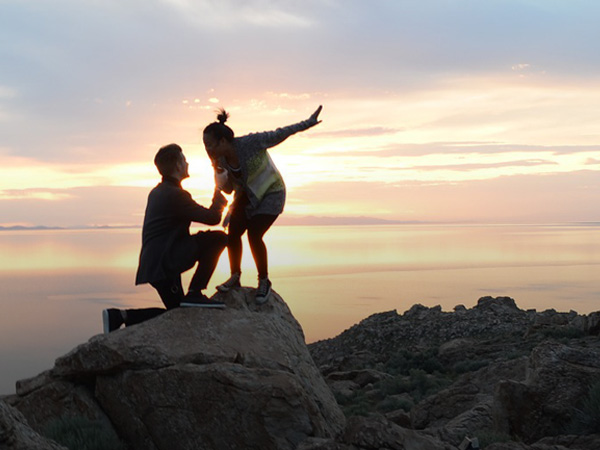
point(54, 284)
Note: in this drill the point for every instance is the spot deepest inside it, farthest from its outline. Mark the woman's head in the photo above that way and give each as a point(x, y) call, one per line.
point(217, 135)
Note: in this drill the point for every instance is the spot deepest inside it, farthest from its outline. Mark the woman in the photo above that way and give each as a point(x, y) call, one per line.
point(259, 191)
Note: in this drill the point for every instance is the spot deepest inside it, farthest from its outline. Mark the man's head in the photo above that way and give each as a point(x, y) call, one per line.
point(170, 161)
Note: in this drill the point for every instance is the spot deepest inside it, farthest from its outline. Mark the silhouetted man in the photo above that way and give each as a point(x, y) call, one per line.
point(168, 249)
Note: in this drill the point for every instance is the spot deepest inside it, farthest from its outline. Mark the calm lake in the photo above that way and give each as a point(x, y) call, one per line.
point(54, 284)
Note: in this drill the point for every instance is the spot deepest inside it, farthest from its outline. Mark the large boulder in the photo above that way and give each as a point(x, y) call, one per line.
point(241, 377)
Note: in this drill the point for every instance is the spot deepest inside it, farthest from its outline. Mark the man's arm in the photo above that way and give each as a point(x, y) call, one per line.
point(188, 209)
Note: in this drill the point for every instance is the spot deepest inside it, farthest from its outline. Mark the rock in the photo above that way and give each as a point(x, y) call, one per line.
point(378, 433)
point(360, 377)
point(566, 442)
point(15, 433)
point(494, 324)
point(241, 377)
point(558, 378)
point(571, 442)
point(45, 398)
point(343, 388)
point(323, 444)
point(469, 391)
point(498, 304)
point(399, 417)
point(469, 423)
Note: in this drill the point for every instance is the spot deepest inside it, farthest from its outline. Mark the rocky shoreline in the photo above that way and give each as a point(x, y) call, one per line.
point(492, 376)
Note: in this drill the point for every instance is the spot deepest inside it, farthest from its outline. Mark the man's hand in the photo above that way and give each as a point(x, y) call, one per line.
point(314, 119)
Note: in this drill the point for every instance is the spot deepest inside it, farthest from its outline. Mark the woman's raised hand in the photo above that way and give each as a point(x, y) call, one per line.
point(315, 116)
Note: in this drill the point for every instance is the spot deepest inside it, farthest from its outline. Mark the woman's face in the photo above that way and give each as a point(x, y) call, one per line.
point(214, 147)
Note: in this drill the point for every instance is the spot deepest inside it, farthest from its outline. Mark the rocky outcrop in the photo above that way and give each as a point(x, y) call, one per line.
point(492, 370)
point(197, 378)
point(494, 327)
point(243, 378)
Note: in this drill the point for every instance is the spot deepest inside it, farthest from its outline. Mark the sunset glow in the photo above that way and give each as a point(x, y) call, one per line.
point(432, 103)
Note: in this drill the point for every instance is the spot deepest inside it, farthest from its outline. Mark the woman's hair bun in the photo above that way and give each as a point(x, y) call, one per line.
point(222, 115)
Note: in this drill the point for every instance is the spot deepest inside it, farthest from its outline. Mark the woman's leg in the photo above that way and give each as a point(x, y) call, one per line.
point(237, 227)
point(257, 227)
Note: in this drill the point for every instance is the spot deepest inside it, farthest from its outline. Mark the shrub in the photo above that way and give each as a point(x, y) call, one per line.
point(404, 361)
point(418, 384)
point(488, 437)
point(586, 420)
point(357, 405)
point(469, 366)
point(79, 433)
point(393, 404)
point(563, 333)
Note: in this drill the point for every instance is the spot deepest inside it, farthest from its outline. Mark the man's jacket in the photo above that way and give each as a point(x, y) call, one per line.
point(167, 247)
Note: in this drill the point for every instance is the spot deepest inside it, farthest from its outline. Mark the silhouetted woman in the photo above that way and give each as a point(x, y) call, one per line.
point(259, 191)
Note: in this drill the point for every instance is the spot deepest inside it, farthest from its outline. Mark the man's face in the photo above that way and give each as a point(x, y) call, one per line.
point(182, 167)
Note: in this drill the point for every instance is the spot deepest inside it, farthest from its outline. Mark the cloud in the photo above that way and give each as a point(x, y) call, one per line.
point(102, 205)
point(358, 132)
point(551, 198)
point(482, 166)
point(34, 194)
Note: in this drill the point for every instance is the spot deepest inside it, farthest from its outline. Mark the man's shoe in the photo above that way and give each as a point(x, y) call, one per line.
point(263, 290)
point(231, 283)
point(199, 300)
point(112, 319)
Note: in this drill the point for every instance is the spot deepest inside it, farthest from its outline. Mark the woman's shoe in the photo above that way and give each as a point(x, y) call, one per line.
point(231, 283)
point(263, 290)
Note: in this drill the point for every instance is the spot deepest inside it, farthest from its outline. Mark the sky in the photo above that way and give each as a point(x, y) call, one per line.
point(442, 111)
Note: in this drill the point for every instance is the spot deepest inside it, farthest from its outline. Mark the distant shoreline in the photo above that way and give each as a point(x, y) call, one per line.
point(309, 221)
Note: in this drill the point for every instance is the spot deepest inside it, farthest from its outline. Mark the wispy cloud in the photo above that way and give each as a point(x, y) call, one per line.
point(482, 166)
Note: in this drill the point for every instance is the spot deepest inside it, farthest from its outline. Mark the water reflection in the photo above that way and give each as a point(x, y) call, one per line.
point(53, 284)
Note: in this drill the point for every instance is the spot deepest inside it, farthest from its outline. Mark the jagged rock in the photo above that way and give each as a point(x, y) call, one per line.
point(498, 304)
point(495, 323)
point(525, 388)
point(323, 444)
point(469, 391)
point(566, 442)
point(343, 388)
point(468, 423)
point(378, 433)
point(45, 398)
point(360, 377)
point(241, 377)
point(16, 434)
point(558, 378)
point(399, 417)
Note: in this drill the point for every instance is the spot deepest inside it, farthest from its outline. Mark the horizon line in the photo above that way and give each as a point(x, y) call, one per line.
point(307, 221)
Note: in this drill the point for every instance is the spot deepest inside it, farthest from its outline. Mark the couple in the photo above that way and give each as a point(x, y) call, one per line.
point(242, 165)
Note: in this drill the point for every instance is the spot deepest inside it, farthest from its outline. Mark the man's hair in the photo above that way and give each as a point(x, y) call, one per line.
point(166, 159)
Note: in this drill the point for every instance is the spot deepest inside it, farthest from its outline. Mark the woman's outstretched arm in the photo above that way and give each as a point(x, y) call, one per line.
point(270, 139)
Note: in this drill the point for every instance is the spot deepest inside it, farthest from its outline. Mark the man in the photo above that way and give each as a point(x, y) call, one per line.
point(168, 249)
